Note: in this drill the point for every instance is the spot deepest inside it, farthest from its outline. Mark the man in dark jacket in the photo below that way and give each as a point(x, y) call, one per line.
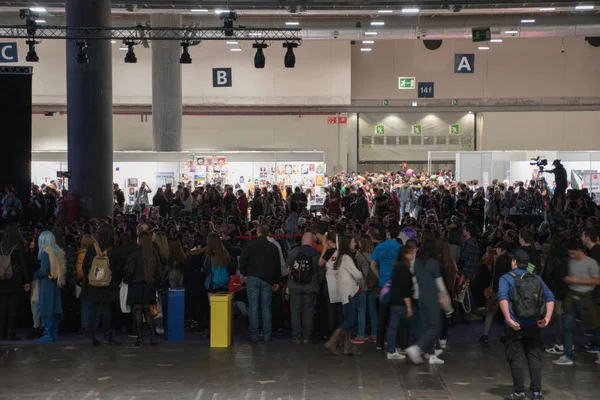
point(303, 287)
point(261, 264)
point(526, 241)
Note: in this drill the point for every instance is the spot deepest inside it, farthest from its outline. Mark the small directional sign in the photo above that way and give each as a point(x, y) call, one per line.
point(481, 34)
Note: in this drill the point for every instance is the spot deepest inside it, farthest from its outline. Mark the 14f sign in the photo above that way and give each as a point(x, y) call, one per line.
point(222, 77)
point(8, 52)
point(464, 63)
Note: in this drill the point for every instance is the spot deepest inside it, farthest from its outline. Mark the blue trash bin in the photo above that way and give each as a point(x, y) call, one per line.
point(174, 314)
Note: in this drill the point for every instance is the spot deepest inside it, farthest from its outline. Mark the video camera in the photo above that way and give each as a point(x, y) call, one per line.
point(539, 162)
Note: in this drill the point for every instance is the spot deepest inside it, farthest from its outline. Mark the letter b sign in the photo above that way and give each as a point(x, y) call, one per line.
point(222, 77)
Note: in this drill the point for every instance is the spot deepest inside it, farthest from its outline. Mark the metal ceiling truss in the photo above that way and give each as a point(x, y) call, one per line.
point(146, 33)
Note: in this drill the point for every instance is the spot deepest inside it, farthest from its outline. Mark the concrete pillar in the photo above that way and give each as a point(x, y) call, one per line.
point(89, 111)
point(166, 87)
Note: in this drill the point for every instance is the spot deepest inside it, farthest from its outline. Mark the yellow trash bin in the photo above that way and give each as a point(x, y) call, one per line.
point(221, 319)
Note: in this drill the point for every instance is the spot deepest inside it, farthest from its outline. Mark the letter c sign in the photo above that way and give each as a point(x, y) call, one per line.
point(8, 52)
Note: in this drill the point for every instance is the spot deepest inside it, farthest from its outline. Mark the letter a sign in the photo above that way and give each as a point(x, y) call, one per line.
point(464, 63)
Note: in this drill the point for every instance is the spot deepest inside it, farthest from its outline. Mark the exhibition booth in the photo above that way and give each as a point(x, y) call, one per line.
point(249, 169)
point(583, 167)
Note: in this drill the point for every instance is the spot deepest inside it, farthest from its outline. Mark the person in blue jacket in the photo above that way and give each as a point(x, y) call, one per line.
point(51, 275)
point(523, 335)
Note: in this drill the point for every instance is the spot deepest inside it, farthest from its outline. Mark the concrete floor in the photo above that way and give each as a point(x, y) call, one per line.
point(270, 372)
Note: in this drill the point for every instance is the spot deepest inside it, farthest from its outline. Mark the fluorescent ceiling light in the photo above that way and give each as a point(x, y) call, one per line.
point(41, 21)
point(113, 41)
point(584, 7)
point(368, 41)
point(236, 49)
point(221, 11)
point(231, 42)
point(410, 10)
point(414, 104)
point(547, 9)
point(513, 32)
point(377, 23)
point(483, 48)
point(292, 23)
point(370, 33)
point(258, 34)
point(123, 48)
point(199, 10)
point(365, 49)
point(385, 11)
point(527, 21)
point(37, 9)
point(496, 41)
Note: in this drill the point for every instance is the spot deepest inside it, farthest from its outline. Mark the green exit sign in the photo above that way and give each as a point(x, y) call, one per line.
point(417, 129)
point(481, 34)
point(454, 129)
point(406, 83)
point(379, 129)
point(386, 103)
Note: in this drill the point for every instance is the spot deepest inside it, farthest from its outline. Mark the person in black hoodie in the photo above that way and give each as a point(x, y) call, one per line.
point(193, 281)
point(261, 264)
point(303, 285)
point(142, 274)
point(557, 267)
point(526, 240)
point(11, 289)
point(107, 296)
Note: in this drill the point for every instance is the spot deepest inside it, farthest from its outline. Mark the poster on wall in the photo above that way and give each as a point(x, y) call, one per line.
point(281, 169)
point(200, 161)
point(208, 161)
point(320, 170)
point(288, 169)
point(132, 182)
point(163, 179)
point(587, 179)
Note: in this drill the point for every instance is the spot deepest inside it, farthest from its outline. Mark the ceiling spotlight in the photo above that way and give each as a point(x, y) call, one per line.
point(228, 17)
point(456, 8)
point(358, 24)
point(185, 54)
point(82, 57)
point(528, 21)
point(31, 54)
point(130, 57)
point(259, 58)
point(290, 59)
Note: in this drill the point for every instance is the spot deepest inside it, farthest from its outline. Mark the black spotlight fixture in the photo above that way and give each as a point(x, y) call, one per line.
point(31, 54)
point(290, 59)
point(259, 58)
point(82, 57)
point(228, 19)
point(130, 57)
point(185, 54)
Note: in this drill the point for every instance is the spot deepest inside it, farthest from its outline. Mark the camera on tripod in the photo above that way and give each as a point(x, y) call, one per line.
point(539, 162)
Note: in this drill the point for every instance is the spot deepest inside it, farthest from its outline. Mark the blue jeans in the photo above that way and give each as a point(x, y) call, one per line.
point(260, 294)
point(430, 325)
point(84, 306)
point(569, 325)
point(397, 313)
point(367, 298)
point(404, 208)
point(349, 314)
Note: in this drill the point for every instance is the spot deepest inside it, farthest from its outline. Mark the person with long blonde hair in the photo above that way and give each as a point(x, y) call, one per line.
point(52, 277)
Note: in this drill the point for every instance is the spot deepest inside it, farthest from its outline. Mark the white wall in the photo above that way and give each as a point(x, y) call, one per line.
point(225, 133)
point(321, 75)
point(515, 68)
point(572, 130)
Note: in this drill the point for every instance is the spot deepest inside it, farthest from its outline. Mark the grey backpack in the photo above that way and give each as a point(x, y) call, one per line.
point(6, 271)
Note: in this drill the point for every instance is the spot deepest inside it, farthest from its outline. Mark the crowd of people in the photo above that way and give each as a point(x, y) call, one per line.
point(392, 259)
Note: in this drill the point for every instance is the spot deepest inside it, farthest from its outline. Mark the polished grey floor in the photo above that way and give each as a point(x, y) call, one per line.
point(270, 372)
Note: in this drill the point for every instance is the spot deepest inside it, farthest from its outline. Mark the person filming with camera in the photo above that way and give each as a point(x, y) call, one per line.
point(560, 176)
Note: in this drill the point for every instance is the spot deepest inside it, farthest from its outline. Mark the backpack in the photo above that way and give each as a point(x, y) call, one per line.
point(528, 296)
point(6, 271)
point(100, 274)
point(218, 278)
point(302, 270)
point(385, 294)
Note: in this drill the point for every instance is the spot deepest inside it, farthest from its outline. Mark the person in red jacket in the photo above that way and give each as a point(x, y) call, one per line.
point(243, 205)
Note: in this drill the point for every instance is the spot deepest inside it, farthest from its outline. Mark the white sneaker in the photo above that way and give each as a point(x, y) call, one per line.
point(443, 343)
point(438, 352)
point(433, 360)
point(399, 350)
point(414, 353)
point(556, 349)
point(564, 360)
point(395, 356)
